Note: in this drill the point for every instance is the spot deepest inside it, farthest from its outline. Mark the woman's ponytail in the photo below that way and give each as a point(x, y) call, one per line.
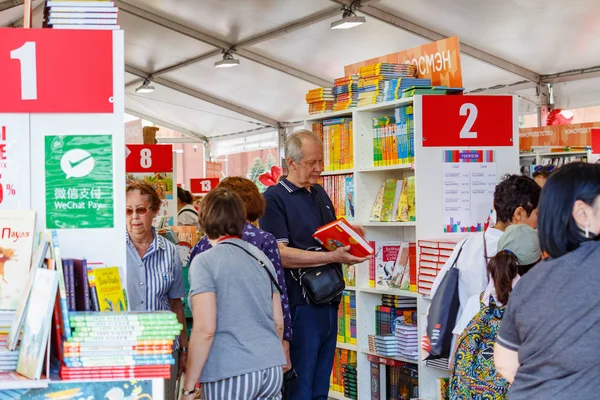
point(503, 268)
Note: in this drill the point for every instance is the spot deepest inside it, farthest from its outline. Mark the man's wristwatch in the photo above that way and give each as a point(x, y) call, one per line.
point(182, 349)
point(188, 392)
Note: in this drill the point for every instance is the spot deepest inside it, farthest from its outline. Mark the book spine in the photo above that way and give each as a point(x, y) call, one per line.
point(412, 262)
point(93, 292)
point(86, 287)
point(61, 285)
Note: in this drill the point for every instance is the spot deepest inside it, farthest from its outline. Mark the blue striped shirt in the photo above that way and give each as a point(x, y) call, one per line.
point(155, 278)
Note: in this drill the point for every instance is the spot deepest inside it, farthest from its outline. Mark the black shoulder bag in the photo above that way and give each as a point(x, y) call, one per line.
point(262, 264)
point(323, 284)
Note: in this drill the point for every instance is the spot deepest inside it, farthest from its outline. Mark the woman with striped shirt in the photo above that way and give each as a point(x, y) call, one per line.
point(154, 270)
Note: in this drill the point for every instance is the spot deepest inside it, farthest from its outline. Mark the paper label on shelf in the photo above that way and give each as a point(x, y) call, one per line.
point(15, 173)
point(79, 182)
point(469, 181)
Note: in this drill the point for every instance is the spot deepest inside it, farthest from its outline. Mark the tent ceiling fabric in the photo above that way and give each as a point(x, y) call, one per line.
point(539, 36)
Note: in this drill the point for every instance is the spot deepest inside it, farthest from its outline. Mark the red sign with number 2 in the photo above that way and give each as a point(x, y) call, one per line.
point(56, 71)
point(463, 121)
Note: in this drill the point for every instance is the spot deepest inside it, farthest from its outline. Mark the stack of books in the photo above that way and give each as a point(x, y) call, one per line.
point(385, 345)
point(320, 100)
point(392, 89)
point(340, 189)
point(417, 90)
point(120, 345)
point(338, 146)
point(75, 14)
point(345, 91)
point(350, 379)
point(347, 318)
point(372, 78)
point(407, 341)
point(341, 360)
point(433, 255)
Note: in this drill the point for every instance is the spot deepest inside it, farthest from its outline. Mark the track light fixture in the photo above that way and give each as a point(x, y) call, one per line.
point(145, 87)
point(349, 17)
point(228, 61)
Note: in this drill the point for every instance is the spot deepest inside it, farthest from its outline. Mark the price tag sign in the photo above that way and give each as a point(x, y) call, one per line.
point(149, 158)
point(464, 121)
point(203, 185)
point(56, 71)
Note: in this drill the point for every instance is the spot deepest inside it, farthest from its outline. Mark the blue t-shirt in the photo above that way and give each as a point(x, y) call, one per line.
point(292, 215)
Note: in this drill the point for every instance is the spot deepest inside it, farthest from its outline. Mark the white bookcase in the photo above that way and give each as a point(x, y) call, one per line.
point(427, 170)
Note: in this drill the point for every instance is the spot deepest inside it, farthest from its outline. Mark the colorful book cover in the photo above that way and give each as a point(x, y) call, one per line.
point(349, 198)
point(403, 213)
point(109, 289)
point(36, 330)
point(389, 193)
point(412, 207)
point(16, 245)
point(386, 253)
point(378, 205)
point(401, 272)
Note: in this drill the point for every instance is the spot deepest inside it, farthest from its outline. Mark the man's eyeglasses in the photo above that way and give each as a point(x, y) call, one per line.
point(139, 211)
point(312, 164)
point(544, 168)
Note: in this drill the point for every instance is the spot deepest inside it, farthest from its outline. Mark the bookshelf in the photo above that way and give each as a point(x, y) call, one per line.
point(427, 170)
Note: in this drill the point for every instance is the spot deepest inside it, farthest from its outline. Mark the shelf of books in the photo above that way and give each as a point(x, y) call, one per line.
point(64, 325)
point(396, 190)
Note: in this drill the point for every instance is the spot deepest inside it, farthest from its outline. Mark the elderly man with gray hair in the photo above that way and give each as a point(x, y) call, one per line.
point(296, 207)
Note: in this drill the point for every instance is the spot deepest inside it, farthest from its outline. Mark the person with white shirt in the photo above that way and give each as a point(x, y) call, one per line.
point(186, 213)
point(515, 202)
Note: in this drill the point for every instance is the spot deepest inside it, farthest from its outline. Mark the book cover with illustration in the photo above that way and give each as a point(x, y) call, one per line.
point(401, 272)
point(340, 233)
point(386, 253)
point(17, 229)
point(109, 288)
point(36, 330)
point(349, 198)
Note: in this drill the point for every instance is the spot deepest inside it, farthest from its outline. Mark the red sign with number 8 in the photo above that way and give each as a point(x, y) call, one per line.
point(149, 158)
point(56, 71)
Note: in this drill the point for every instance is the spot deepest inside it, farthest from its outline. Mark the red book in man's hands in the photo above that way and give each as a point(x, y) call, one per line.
point(340, 233)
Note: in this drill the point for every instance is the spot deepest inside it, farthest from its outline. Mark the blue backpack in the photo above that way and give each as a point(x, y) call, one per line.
point(473, 375)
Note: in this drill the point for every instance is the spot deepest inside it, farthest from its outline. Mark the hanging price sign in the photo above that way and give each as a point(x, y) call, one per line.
point(203, 185)
point(56, 71)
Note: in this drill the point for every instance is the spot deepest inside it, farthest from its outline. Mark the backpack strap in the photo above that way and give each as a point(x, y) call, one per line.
point(188, 210)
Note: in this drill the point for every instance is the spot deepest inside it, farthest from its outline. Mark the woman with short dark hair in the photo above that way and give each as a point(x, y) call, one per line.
point(186, 213)
point(546, 343)
point(235, 344)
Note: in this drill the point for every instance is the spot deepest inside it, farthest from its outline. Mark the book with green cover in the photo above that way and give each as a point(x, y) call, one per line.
point(389, 193)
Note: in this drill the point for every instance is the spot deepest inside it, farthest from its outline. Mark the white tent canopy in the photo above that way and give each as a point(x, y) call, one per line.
point(285, 48)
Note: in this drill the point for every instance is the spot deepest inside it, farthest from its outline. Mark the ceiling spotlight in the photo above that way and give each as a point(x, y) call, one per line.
point(349, 17)
point(145, 87)
point(228, 61)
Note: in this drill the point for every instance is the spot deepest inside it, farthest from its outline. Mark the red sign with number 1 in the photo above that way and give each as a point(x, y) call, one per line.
point(56, 71)
point(149, 158)
point(464, 121)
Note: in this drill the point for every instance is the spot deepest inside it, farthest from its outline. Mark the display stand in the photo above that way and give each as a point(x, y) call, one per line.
point(72, 99)
point(427, 170)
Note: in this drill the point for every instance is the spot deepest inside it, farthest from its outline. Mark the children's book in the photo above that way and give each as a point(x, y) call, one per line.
point(109, 288)
point(17, 229)
point(349, 198)
point(36, 330)
point(340, 233)
point(15, 329)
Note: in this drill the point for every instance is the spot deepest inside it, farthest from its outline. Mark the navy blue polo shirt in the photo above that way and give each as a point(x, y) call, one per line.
point(292, 215)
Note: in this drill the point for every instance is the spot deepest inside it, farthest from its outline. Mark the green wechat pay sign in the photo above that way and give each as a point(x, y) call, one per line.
point(79, 182)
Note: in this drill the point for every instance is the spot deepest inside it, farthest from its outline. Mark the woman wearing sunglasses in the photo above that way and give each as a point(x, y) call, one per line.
point(541, 173)
point(154, 271)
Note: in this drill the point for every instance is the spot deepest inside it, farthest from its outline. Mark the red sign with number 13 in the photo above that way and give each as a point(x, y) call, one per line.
point(56, 71)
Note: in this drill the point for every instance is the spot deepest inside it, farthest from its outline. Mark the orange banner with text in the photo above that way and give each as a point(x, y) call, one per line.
point(438, 61)
point(558, 135)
